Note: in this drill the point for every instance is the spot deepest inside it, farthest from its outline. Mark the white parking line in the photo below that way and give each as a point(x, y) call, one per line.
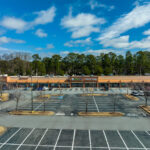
point(123, 148)
point(106, 140)
point(10, 138)
point(74, 133)
point(57, 139)
point(38, 106)
point(41, 138)
point(147, 132)
point(96, 104)
point(122, 140)
point(25, 138)
point(139, 140)
point(90, 140)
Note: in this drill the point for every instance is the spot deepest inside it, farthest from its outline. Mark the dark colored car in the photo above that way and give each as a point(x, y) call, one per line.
point(4, 88)
point(50, 88)
point(40, 88)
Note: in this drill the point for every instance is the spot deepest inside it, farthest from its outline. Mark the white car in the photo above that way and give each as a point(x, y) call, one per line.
point(45, 88)
point(137, 93)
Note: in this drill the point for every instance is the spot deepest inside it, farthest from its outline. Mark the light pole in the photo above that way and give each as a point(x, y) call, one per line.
point(31, 94)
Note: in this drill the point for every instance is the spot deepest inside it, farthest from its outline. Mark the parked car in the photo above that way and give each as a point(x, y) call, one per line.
point(4, 88)
point(45, 88)
point(26, 89)
point(50, 88)
point(34, 89)
point(137, 93)
point(40, 88)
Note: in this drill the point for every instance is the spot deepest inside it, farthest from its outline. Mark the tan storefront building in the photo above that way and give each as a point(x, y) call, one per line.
point(75, 81)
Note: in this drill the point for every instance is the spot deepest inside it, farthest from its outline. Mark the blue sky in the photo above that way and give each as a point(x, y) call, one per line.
point(50, 27)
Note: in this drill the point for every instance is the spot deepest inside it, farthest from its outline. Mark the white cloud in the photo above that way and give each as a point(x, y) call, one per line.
point(46, 54)
point(93, 52)
point(147, 32)
point(138, 17)
point(143, 44)
point(76, 43)
point(64, 53)
point(4, 50)
point(82, 25)
point(43, 17)
point(94, 4)
point(49, 46)
point(98, 52)
point(39, 48)
point(13, 23)
point(123, 42)
point(5, 39)
point(40, 33)
point(119, 42)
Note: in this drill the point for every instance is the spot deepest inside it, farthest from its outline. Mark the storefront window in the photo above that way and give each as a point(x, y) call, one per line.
point(90, 84)
point(76, 84)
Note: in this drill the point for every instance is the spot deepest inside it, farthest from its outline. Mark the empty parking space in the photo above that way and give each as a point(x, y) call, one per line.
point(66, 139)
point(82, 138)
point(143, 138)
point(8, 134)
point(9, 147)
point(62, 148)
point(27, 147)
point(98, 139)
point(50, 137)
point(35, 136)
point(77, 103)
point(20, 136)
point(114, 139)
point(130, 139)
point(44, 148)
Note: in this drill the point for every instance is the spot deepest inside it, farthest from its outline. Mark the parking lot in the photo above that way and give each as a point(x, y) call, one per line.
point(68, 139)
point(68, 104)
point(87, 90)
point(72, 102)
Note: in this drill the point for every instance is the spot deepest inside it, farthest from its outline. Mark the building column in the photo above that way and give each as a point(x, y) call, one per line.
point(108, 84)
point(27, 85)
point(120, 84)
point(37, 85)
point(17, 84)
point(97, 85)
point(70, 84)
point(83, 84)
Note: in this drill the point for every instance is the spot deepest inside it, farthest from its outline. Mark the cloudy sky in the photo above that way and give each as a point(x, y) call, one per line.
point(85, 26)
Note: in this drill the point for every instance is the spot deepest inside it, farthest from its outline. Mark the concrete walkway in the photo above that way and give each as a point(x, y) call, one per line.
point(64, 122)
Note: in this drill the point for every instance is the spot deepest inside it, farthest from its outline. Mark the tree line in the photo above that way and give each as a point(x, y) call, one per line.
point(76, 64)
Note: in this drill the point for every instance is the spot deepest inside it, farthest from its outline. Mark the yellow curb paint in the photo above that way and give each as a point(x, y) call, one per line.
point(44, 113)
point(101, 114)
point(94, 94)
point(131, 97)
point(2, 130)
point(145, 108)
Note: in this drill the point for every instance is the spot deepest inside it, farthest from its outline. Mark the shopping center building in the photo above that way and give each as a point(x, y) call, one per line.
point(74, 81)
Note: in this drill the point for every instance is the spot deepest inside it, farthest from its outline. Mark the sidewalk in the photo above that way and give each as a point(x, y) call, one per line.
point(64, 122)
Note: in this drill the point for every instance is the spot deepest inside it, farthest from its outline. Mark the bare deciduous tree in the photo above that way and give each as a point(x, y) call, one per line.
point(141, 87)
point(87, 99)
point(17, 95)
point(115, 99)
point(1, 88)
